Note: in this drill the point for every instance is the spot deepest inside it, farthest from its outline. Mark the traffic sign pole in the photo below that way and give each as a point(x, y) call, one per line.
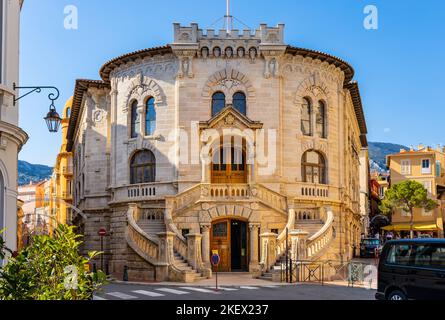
point(102, 233)
point(215, 262)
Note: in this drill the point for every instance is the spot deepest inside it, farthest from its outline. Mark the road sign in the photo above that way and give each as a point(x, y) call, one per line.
point(102, 232)
point(216, 260)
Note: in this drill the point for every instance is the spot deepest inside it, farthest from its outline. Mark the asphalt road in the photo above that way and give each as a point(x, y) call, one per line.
point(193, 293)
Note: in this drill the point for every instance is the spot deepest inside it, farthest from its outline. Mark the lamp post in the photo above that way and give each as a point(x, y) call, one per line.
point(52, 119)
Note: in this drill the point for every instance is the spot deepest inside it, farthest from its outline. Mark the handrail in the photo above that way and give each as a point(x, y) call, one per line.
point(317, 243)
point(142, 243)
point(270, 198)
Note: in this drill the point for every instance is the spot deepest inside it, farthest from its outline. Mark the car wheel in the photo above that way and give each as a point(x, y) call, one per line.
point(396, 296)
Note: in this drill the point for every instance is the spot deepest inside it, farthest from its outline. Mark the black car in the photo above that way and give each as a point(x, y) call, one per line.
point(412, 270)
point(369, 248)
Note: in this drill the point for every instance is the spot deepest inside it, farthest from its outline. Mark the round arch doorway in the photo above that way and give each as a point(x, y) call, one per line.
point(230, 238)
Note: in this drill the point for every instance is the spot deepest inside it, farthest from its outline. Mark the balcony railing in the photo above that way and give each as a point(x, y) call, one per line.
point(317, 191)
point(68, 170)
point(67, 195)
point(140, 192)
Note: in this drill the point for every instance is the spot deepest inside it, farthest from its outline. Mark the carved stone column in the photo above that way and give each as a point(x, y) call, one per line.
point(206, 245)
point(194, 257)
point(298, 242)
point(166, 255)
point(254, 266)
point(268, 250)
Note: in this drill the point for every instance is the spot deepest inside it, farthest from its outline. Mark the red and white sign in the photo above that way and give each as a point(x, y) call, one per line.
point(102, 232)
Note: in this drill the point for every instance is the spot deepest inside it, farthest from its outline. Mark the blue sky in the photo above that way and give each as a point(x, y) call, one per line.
point(400, 67)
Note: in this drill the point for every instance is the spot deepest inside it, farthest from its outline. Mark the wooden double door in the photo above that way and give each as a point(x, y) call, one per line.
point(229, 237)
point(229, 164)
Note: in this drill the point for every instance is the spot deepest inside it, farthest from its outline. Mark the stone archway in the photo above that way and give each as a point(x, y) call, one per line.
point(230, 237)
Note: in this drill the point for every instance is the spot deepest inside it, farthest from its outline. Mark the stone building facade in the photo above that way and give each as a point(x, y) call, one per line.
point(218, 141)
point(12, 138)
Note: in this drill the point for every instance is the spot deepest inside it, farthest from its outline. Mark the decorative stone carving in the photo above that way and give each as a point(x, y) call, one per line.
point(217, 52)
point(205, 53)
point(140, 89)
point(229, 120)
point(98, 116)
point(253, 54)
point(228, 81)
point(241, 52)
point(315, 145)
point(229, 52)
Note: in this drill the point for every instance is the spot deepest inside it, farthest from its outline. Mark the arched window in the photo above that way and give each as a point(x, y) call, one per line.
point(143, 167)
point(239, 102)
point(68, 113)
point(313, 167)
point(218, 103)
point(321, 120)
point(306, 115)
point(135, 120)
point(150, 117)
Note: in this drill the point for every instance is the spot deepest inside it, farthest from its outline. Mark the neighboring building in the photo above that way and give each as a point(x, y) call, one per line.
point(56, 196)
point(62, 198)
point(21, 226)
point(151, 168)
point(12, 138)
point(365, 205)
point(383, 179)
point(426, 166)
point(34, 220)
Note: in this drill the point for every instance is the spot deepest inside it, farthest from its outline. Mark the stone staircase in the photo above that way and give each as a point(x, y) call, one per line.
point(153, 228)
point(310, 226)
point(319, 237)
point(183, 265)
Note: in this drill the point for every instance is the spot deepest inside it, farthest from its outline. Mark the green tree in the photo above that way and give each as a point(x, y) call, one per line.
point(3, 249)
point(51, 268)
point(407, 196)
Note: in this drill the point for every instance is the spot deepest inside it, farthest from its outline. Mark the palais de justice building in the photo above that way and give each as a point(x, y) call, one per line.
point(218, 141)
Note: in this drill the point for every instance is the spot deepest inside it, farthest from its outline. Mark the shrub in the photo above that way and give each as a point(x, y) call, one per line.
point(51, 268)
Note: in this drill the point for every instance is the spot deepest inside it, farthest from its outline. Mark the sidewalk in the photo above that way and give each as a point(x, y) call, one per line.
point(224, 280)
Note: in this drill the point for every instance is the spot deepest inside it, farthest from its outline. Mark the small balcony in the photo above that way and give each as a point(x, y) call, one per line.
point(67, 196)
point(317, 191)
point(67, 170)
point(141, 192)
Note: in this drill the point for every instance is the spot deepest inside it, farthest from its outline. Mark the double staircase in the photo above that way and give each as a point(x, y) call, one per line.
point(319, 232)
point(153, 235)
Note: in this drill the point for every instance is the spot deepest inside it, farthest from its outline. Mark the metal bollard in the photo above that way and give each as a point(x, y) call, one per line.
point(290, 271)
point(125, 273)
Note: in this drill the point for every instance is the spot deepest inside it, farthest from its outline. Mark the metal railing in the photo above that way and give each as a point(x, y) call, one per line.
point(354, 273)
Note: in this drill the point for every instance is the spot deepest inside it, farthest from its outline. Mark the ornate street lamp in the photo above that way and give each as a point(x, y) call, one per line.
point(52, 119)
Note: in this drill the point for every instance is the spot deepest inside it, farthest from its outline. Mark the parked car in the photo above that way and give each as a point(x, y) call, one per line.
point(369, 248)
point(412, 270)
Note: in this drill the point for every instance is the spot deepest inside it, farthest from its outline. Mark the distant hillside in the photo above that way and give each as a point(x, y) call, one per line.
point(32, 172)
point(378, 152)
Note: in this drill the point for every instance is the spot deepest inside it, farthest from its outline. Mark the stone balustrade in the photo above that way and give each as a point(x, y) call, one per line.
point(142, 243)
point(317, 191)
point(141, 192)
point(322, 238)
point(225, 191)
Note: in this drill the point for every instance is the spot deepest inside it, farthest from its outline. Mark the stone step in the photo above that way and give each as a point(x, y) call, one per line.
point(199, 278)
